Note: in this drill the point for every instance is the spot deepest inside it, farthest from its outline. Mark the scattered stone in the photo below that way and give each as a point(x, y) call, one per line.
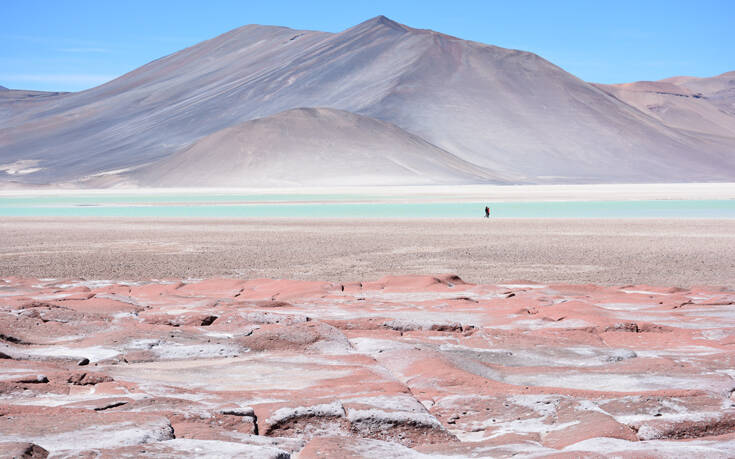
point(207, 321)
point(249, 412)
point(88, 379)
point(22, 450)
point(32, 379)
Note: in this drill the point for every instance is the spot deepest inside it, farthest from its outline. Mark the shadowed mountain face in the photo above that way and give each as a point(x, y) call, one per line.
point(510, 113)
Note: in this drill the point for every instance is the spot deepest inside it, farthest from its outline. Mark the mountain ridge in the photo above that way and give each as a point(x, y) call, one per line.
point(507, 111)
point(686, 103)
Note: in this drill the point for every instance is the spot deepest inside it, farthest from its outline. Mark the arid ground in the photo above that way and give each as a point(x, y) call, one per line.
point(405, 366)
point(190, 348)
point(682, 252)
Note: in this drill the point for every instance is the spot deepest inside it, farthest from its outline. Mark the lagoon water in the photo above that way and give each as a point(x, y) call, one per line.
point(347, 206)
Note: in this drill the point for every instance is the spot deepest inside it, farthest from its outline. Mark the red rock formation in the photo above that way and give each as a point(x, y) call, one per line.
point(405, 364)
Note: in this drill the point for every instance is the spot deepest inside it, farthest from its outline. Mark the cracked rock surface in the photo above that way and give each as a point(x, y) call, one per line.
point(405, 366)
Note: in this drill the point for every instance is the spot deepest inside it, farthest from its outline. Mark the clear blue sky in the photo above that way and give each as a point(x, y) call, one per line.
point(73, 45)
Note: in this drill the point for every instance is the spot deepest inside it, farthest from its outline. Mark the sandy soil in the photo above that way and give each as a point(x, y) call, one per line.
point(610, 252)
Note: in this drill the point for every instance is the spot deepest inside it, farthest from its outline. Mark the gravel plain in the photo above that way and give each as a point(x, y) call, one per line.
point(681, 252)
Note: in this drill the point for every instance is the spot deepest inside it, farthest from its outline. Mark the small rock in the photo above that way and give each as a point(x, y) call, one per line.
point(239, 412)
point(21, 450)
point(88, 379)
point(35, 379)
point(207, 321)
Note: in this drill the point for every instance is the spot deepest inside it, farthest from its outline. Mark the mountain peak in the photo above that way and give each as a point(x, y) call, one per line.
point(385, 22)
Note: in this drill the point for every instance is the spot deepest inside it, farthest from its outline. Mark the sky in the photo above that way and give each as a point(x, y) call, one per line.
point(66, 45)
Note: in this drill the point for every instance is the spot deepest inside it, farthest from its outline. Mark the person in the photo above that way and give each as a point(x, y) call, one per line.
point(487, 212)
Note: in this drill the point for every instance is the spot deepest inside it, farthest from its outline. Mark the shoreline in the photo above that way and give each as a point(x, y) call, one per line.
point(493, 193)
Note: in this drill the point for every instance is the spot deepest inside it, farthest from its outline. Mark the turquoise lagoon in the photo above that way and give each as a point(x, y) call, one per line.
point(347, 206)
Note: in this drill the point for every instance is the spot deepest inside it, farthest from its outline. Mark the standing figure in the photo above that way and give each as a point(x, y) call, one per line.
point(487, 212)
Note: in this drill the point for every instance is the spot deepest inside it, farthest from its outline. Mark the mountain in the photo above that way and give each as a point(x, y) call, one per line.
point(512, 114)
point(679, 106)
point(3, 88)
point(283, 150)
point(13, 102)
point(720, 90)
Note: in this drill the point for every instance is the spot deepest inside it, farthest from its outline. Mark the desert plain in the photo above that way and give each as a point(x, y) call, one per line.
point(366, 337)
point(664, 252)
point(313, 325)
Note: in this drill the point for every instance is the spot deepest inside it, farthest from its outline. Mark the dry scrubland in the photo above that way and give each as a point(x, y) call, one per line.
point(660, 252)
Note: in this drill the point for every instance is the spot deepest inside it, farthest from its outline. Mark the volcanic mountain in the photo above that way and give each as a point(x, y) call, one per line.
point(460, 112)
point(311, 146)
